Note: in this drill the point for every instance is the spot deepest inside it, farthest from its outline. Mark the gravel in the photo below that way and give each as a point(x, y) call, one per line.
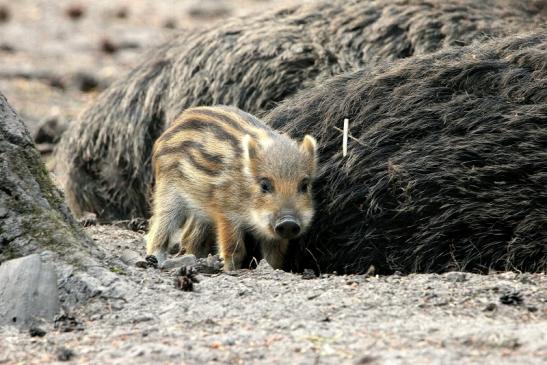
point(267, 316)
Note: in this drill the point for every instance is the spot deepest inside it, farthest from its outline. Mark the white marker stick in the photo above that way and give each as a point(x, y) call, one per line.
point(345, 138)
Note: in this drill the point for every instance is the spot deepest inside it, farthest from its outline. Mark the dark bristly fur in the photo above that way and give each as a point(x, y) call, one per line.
point(254, 63)
point(450, 171)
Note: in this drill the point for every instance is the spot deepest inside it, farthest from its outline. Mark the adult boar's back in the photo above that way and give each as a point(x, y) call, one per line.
point(254, 63)
point(448, 168)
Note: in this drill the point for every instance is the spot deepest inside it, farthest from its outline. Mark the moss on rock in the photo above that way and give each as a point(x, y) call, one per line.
point(33, 214)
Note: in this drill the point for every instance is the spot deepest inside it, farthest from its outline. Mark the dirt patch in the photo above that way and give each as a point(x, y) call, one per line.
point(56, 56)
point(267, 316)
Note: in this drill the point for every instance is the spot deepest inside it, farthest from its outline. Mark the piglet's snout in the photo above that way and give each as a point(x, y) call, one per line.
point(287, 227)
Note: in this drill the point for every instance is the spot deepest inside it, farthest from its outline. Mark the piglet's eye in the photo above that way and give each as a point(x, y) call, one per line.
point(304, 185)
point(266, 185)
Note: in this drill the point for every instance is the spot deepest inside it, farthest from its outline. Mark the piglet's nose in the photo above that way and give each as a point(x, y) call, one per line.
point(287, 227)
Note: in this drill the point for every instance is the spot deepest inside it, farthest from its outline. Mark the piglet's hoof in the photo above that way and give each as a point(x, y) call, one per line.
point(152, 261)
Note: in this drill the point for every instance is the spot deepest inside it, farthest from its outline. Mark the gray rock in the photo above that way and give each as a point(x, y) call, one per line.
point(188, 261)
point(214, 261)
point(212, 264)
point(28, 292)
point(132, 258)
point(35, 218)
point(264, 266)
point(120, 289)
point(34, 214)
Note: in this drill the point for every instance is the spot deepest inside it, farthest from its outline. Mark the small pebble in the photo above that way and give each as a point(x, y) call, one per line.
point(56, 82)
point(65, 354)
point(75, 12)
point(188, 261)
point(511, 298)
point(170, 24)
point(313, 296)
point(229, 342)
point(84, 82)
point(308, 274)
point(5, 14)
point(36, 332)
point(122, 13)
point(8, 48)
point(456, 277)
point(264, 267)
point(526, 278)
point(142, 264)
point(107, 46)
point(366, 360)
point(130, 258)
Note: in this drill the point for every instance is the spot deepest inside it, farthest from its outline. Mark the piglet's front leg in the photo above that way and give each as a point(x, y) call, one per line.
point(230, 243)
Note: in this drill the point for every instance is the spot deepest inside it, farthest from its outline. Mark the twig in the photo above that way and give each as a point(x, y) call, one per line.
point(345, 138)
point(350, 137)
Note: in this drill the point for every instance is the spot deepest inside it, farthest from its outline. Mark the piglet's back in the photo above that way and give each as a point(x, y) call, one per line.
point(204, 143)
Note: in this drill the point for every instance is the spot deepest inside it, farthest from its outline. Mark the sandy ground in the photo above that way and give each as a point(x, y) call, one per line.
point(52, 52)
point(264, 316)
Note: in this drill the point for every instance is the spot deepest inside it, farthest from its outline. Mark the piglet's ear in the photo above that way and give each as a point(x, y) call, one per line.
point(250, 153)
point(309, 147)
